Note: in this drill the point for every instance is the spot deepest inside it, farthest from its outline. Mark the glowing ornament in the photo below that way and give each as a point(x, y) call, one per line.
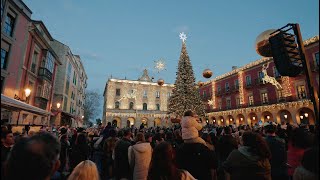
point(160, 65)
point(210, 102)
point(160, 82)
point(207, 73)
point(200, 84)
point(263, 46)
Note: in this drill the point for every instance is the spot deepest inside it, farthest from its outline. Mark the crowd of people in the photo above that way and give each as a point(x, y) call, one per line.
point(185, 151)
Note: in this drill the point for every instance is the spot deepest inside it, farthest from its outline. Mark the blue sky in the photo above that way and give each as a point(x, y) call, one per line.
point(122, 37)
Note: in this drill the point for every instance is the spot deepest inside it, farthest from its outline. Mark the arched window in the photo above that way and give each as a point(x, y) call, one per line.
point(158, 107)
point(145, 106)
point(131, 105)
point(117, 105)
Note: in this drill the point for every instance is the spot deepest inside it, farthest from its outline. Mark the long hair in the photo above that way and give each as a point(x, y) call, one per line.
point(257, 145)
point(85, 170)
point(162, 165)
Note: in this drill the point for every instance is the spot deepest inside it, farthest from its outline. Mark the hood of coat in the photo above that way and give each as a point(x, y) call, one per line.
point(142, 147)
point(188, 122)
point(245, 151)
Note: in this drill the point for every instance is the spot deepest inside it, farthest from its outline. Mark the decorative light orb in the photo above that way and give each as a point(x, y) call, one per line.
point(160, 82)
point(214, 120)
point(301, 117)
point(207, 73)
point(230, 119)
point(58, 105)
point(285, 116)
point(221, 120)
point(306, 115)
point(268, 117)
point(241, 119)
point(262, 44)
point(82, 117)
point(254, 118)
point(200, 83)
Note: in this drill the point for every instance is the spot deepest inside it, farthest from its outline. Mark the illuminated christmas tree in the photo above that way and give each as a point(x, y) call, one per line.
point(185, 95)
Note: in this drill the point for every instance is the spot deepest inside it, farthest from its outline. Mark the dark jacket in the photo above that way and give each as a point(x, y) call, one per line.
point(242, 165)
point(80, 152)
point(226, 144)
point(278, 160)
point(197, 159)
point(121, 162)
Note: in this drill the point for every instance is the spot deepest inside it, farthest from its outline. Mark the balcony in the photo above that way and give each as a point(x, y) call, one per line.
point(41, 102)
point(44, 73)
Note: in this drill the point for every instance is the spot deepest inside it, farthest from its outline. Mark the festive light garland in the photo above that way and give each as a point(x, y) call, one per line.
point(241, 87)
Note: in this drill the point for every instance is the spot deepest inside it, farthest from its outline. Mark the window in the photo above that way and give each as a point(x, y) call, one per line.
point(117, 92)
point(74, 80)
point(157, 94)
point(228, 103)
point(34, 62)
point(301, 92)
point(49, 62)
point(248, 80)
point(236, 83)
point(131, 105)
point(204, 94)
point(4, 59)
point(251, 100)
point(117, 105)
point(8, 25)
point(68, 78)
point(158, 107)
point(316, 56)
point(145, 106)
point(219, 89)
point(238, 101)
point(264, 97)
point(280, 95)
point(145, 93)
point(31, 84)
point(276, 72)
point(3, 3)
point(227, 87)
point(261, 76)
point(220, 104)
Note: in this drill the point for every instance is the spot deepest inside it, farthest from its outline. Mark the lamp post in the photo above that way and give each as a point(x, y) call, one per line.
point(27, 92)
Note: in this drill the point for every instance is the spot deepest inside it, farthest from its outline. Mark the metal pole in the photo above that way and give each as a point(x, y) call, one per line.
point(307, 70)
point(18, 118)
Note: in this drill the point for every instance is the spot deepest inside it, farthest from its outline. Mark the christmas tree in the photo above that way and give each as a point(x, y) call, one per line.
point(185, 95)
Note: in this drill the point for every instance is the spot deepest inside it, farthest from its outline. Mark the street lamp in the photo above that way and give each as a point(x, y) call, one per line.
point(221, 120)
point(82, 117)
point(306, 115)
point(268, 117)
point(254, 118)
point(27, 92)
point(58, 105)
point(241, 119)
point(301, 117)
point(230, 119)
point(285, 116)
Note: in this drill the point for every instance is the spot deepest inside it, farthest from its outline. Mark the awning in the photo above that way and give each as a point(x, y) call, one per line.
point(16, 105)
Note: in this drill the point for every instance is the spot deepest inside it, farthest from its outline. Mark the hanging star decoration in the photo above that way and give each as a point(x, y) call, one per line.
point(183, 36)
point(160, 65)
point(210, 102)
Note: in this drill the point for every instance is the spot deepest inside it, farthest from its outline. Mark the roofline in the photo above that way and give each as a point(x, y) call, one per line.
point(45, 28)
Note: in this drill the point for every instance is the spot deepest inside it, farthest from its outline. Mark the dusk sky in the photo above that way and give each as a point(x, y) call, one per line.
point(121, 38)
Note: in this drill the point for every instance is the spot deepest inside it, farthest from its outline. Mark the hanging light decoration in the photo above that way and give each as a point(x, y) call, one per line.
point(160, 82)
point(200, 83)
point(207, 73)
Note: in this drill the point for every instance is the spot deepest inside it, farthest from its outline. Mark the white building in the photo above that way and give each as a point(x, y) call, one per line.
point(133, 102)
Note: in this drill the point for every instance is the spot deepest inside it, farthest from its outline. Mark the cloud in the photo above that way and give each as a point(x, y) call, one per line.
point(88, 55)
point(182, 28)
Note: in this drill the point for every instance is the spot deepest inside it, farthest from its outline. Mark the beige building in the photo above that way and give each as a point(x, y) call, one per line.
point(69, 90)
point(133, 102)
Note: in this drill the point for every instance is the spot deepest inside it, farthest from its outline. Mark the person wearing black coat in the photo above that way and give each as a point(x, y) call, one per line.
point(80, 151)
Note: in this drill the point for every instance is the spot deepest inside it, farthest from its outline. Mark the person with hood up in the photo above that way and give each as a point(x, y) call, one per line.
point(190, 128)
point(249, 161)
point(139, 156)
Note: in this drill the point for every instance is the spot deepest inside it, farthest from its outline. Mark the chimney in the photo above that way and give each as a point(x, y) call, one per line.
point(234, 67)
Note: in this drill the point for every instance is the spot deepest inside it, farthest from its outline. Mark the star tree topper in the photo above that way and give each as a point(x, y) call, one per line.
point(183, 36)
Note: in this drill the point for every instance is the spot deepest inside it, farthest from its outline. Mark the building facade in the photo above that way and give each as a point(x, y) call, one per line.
point(69, 90)
point(28, 65)
point(242, 97)
point(134, 102)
